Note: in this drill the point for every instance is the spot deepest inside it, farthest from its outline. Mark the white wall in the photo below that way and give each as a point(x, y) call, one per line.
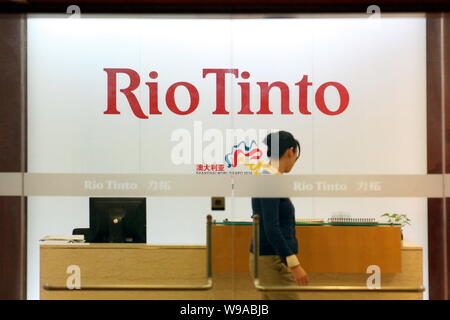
point(383, 131)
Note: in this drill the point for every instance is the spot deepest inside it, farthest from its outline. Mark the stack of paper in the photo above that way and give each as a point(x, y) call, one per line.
point(68, 238)
point(309, 220)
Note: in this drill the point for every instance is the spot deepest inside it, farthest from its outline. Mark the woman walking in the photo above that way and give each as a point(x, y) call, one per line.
point(278, 262)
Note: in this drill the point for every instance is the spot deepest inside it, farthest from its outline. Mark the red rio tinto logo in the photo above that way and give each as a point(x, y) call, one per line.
point(219, 76)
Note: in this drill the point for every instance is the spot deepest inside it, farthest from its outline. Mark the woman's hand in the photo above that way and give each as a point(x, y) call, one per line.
point(300, 275)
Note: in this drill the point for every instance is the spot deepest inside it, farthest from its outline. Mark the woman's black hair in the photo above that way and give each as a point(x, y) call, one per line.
point(285, 141)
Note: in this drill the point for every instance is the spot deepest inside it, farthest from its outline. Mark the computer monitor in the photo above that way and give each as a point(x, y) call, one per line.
point(118, 220)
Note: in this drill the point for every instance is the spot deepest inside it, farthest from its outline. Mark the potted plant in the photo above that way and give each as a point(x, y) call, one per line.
point(401, 219)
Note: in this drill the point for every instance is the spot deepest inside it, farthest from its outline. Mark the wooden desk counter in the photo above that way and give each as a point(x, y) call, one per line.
point(141, 264)
point(348, 249)
point(332, 256)
point(122, 265)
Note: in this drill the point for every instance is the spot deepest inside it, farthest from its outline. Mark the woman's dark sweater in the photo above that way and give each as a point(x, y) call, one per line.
point(277, 226)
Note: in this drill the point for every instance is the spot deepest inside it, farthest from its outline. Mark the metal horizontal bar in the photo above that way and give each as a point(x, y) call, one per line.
point(336, 288)
point(134, 287)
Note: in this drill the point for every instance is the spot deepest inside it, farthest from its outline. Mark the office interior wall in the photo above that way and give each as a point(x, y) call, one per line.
point(383, 131)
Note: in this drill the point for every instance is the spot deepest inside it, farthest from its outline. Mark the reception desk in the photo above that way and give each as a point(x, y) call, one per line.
point(123, 271)
point(322, 248)
point(333, 256)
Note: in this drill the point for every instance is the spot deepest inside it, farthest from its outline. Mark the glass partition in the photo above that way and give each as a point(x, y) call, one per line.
point(175, 109)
